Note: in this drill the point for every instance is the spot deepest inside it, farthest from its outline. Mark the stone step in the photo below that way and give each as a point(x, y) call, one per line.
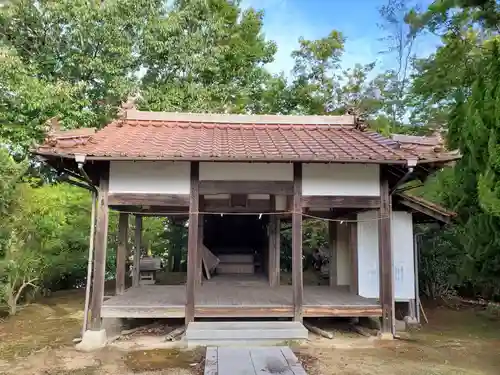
point(243, 333)
point(235, 268)
point(236, 258)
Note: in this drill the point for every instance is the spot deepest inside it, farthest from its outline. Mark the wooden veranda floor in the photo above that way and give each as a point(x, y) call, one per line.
point(233, 297)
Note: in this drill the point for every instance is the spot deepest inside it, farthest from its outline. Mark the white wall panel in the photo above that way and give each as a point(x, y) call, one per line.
point(149, 177)
point(343, 255)
point(368, 270)
point(403, 258)
point(341, 179)
point(402, 250)
point(246, 171)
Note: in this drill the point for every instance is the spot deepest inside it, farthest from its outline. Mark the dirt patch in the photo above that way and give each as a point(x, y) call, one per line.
point(163, 359)
point(457, 340)
point(51, 323)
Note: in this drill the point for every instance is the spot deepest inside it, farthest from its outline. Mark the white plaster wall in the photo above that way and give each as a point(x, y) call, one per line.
point(149, 177)
point(402, 249)
point(340, 179)
point(368, 272)
point(403, 256)
point(343, 255)
point(246, 171)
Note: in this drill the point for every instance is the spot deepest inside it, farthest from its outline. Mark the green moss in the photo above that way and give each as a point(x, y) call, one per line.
point(162, 359)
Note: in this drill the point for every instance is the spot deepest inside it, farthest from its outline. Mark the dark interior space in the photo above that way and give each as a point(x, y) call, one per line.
point(235, 234)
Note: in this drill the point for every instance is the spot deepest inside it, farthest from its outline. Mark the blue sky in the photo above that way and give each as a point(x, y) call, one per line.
point(287, 20)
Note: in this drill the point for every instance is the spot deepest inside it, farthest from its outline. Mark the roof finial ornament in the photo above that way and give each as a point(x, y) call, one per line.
point(129, 105)
point(359, 118)
point(53, 126)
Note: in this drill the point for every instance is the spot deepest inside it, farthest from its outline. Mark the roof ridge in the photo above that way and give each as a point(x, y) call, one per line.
point(133, 114)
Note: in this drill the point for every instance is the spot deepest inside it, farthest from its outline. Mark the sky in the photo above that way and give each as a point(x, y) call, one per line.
point(287, 20)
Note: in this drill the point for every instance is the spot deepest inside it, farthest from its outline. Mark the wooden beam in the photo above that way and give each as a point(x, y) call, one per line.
point(136, 199)
point(297, 277)
point(224, 205)
point(192, 266)
point(101, 240)
point(157, 210)
point(121, 252)
point(333, 245)
point(385, 256)
point(246, 187)
point(332, 201)
point(352, 240)
point(426, 211)
point(137, 253)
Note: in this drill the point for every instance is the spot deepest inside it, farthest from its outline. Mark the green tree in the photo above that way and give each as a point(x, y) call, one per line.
point(457, 88)
point(204, 56)
point(91, 48)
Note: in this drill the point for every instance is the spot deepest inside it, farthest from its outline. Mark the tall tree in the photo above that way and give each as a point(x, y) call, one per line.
point(316, 63)
point(90, 46)
point(204, 56)
point(459, 83)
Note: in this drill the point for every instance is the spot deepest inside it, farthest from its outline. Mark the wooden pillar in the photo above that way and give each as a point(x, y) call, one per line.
point(385, 256)
point(194, 198)
point(199, 272)
point(136, 279)
point(332, 243)
point(121, 252)
point(277, 250)
point(352, 240)
point(274, 246)
point(297, 278)
point(274, 251)
point(101, 237)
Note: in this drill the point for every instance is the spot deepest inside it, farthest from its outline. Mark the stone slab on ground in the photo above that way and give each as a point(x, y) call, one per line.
point(252, 361)
point(253, 333)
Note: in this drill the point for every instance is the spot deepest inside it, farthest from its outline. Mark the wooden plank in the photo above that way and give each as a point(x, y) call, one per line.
point(332, 242)
point(243, 311)
point(193, 259)
point(101, 240)
point(138, 199)
point(121, 252)
point(385, 256)
point(352, 232)
point(297, 277)
point(269, 360)
point(246, 187)
point(332, 201)
point(211, 359)
point(137, 252)
point(293, 361)
point(341, 311)
point(232, 361)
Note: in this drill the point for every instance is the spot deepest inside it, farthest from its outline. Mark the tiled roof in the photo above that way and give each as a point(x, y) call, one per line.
point(425, 146)
point(172, 136)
